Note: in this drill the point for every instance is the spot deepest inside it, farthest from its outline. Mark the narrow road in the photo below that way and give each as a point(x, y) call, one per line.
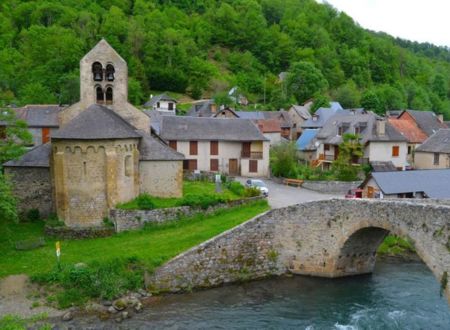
point(281, 195)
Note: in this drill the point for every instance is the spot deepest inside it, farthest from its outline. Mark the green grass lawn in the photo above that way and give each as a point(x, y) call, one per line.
point(153, 245)
point(189, 188)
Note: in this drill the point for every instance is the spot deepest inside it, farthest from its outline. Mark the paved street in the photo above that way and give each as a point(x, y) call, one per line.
point(281, 195)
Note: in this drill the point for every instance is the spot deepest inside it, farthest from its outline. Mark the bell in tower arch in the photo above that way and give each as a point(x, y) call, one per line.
point(110, 72)
point(97, 70)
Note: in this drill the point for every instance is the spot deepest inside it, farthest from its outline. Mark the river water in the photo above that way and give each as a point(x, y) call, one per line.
point(398, 295)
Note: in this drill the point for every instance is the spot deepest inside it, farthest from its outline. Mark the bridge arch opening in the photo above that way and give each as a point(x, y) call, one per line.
point(359, 252)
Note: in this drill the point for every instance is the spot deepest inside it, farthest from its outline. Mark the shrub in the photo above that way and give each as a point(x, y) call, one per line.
point(8, 210)
point(251, 192)
point(201, 201)
point(145, 202)
point(236, 188)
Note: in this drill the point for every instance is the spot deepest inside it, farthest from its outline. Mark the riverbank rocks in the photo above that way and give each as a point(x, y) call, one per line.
point(67, 316)
point(112, 310)
point(138, 307)
point(120, 304)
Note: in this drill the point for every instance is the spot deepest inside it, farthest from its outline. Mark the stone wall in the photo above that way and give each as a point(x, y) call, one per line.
point(136, 219)
point(330, 238)
point(331, 187)
point(78, 233)
point(161, 178)
point(33, 189)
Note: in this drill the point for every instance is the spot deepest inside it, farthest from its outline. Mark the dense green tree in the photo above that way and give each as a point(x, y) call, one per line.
point(305, 80)
point(350, 150)
point(16, 136)
point(348, 95)
point(371, 102)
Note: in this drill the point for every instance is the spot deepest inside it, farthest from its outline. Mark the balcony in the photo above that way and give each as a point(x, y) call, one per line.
point(252, 154)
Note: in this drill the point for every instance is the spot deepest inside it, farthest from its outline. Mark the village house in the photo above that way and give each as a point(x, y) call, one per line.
point(408, 184)
point(381, 142)
point(230, 146)
point(162, 103)
point(299, 114)
point(202, 108)
point(427, 121)
point(42, 120)
point(102, 154)
point(271, 129)
point(434, 153)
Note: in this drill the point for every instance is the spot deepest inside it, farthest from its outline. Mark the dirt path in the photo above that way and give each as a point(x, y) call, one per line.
point(19, 297)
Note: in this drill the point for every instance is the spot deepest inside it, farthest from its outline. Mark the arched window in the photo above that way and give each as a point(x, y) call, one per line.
point(110, 72)
point(97, 71)
point(99, 95)
point(109, 95)
point(128, 166)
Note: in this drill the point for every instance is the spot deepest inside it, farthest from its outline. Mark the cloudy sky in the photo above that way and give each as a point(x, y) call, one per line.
point(417, 20)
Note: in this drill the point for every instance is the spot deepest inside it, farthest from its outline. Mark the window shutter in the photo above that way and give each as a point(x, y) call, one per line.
point(193, 148)
point(253, 164)
point(214, 148)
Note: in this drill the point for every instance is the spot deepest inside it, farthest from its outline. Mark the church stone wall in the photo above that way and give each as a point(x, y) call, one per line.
point(161, 178)
point(93, 176)
point(32, 188)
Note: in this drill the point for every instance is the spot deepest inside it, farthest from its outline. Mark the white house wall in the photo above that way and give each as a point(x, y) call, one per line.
point(382, 151)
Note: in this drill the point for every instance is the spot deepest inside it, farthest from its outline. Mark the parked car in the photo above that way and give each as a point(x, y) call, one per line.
point(258, 184)
point(354, 193)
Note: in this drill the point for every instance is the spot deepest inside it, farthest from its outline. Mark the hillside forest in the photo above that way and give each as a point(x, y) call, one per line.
point(203, 48)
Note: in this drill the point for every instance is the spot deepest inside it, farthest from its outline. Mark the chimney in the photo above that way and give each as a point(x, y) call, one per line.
point(213, 108)
point(381, 127)
point(315, 117)
point(440, 117)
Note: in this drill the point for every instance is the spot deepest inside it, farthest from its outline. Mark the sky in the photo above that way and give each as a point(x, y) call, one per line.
point(416, 20)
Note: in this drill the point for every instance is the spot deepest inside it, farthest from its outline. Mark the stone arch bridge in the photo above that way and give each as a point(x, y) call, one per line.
point(329, 238)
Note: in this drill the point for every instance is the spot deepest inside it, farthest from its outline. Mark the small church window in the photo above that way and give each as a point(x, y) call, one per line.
point(110, 72)
point(109, 95)
point(97, 71)
point(128, 166)
point(100, 95)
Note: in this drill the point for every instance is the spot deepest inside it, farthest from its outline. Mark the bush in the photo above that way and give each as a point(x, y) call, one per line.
point(201, 201)
point(145, 202)
point(107, 280)
point(236, 188)
point(8, 209)
point(252, 192)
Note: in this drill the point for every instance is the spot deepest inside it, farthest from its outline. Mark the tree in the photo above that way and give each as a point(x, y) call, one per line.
point(283, 160)
point(350, 150)
point(305, 80)
point(16, 136)
point(320, 101)
point(8, 207)
point(371, 102)
point(348, 95)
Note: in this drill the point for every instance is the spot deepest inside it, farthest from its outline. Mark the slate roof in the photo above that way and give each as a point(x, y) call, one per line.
point(304, 141)
point(36, 157)
point(158, 98)
point(153, 148)
point(281, 115)
point(194, 129)
point(252, 115)
point(302, 111)
point(201, 109)
point(45, 115)
point(97, 122)
point(409, 130)
point(434, 183)
point(329, 132)
point(322, 115)
point(378, 166)
point(438, 142)
point(426, 120)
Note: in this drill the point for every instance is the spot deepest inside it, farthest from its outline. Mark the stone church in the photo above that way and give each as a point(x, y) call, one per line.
point(103, 153)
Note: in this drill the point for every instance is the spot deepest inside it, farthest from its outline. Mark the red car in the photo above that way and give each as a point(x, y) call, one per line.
point(354, 193)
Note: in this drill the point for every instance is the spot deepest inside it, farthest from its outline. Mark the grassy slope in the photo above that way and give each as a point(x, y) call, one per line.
point(153, 245)
point(189, 188)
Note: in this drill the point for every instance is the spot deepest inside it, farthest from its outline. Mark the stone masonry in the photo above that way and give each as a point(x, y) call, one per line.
point(332, 238)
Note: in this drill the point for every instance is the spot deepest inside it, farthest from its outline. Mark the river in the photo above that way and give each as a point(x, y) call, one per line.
point(398, 295)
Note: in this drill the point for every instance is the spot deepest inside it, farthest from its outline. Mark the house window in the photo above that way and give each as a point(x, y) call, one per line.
point(214, 148)
point(173, 145)
point(214, 165)
point(45, 135)
point(157, 104)
point(326, 147)
point(340, 130)
point(190, 164)
point(395, 151)
point(193, 148)
point(436, 158)
point(253, 166)
point(409, 150)
point(170, 106)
